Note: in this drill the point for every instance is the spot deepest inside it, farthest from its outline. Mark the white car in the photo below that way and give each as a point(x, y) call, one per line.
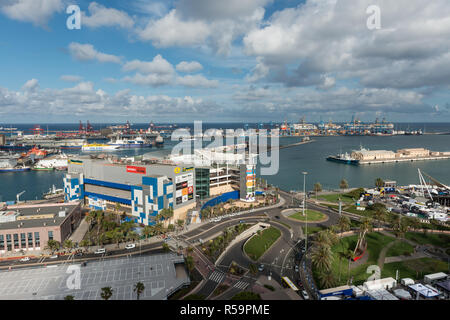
point(99, 251)
point(130, 246)
point(55, 256)
point(24, 259)
point(305, 295)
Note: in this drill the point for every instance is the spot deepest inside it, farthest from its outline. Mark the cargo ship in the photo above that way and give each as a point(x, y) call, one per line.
point(99, 147)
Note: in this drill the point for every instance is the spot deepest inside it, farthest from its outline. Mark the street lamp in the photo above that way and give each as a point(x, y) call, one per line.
point(304, 211)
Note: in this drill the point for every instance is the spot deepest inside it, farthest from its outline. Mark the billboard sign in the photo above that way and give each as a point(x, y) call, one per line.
point(134, 169)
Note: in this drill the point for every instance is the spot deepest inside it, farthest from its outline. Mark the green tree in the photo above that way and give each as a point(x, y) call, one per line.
point(165, 247)
point(326, 279)
point(106, 293)
point(68, 244)
point(85, 243)
point(317, 188)
point(180, 223)
point(148, 231)
point(189, 260)
point(343, 184)
point(139, 288)
point(53, 245)
point(69, 297)
point(246, 295)
point(350, 254)
point(321, 257)
point(379, 183)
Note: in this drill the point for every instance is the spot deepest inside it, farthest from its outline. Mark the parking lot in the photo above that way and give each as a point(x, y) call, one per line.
point(156, 272)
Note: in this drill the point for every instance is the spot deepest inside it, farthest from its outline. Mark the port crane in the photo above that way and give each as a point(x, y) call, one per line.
point(19, 194)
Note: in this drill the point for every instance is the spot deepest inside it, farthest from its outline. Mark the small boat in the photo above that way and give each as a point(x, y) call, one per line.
point(53, 193)
point(15, 169)
point(99, 147)
point(343, 158)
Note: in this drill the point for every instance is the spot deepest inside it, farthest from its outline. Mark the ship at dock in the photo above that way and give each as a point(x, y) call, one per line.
point(137, 142)
point(365, 156)
point(98, 147)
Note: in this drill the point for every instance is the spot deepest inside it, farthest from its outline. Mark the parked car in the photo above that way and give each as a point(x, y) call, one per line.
point(305, 295)
point(24, 259)
point(130, 246)
point(296, 268)
point(261, 268)
point(78, 254)
point(241, 221)
point(99, 251)
point(55, 256)
point(277, 217)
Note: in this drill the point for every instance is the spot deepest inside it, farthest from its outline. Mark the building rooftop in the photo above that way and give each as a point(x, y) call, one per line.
point(36, 215)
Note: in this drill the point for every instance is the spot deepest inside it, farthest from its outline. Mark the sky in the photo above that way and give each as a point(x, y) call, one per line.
point(224, 61)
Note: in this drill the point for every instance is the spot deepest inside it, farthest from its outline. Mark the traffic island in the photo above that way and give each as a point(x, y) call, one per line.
point(257, 245)
point(311, 216)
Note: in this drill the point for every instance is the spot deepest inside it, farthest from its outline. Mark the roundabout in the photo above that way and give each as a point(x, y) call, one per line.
point(311, 216)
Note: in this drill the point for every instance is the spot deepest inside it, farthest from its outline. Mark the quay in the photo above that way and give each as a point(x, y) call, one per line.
point(403, 159)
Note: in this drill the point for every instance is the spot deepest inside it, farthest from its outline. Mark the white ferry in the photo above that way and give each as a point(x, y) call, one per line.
point(98, 147)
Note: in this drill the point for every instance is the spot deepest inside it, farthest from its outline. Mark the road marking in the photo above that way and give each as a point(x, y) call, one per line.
point(241, 285)
point(217, 276)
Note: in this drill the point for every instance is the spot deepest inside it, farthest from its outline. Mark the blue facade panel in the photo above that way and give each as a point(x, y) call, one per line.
point(108, 198)
point(108, 184)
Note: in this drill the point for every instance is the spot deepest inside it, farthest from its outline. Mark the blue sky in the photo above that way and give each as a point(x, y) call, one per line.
point(254, 60)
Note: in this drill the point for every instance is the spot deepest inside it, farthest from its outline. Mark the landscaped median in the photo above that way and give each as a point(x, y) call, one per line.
point(261, 242)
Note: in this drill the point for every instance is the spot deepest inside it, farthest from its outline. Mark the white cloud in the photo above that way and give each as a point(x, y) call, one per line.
point(197, 81)
point(322, 37)
point(215, 24)
point(37, 12)
point(86, 52)
point(192, 66)
point(171, 31)
point(151, 79)
point(71, 78)
point(259, 72)
point(101, 16)
point(158, 65)
point(30, 85)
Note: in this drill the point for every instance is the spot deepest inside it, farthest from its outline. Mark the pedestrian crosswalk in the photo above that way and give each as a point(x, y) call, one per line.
point(241, 285)
point(217, 276)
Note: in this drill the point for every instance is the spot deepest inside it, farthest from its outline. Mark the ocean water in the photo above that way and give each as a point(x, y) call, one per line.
point(309, 157)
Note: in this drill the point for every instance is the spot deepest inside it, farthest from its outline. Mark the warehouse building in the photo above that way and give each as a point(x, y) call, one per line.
point(141, 191)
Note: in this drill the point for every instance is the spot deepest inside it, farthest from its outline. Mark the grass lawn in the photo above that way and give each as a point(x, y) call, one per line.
point(335, 198)
point(366, 213)
point(313, 229)
point(312, 215)
point(400, 249)
point(415, 269)
point(258, 244)
point(440, 240)
point(375, 243)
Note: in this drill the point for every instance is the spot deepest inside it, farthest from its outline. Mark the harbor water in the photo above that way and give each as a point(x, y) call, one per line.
point(310, 157)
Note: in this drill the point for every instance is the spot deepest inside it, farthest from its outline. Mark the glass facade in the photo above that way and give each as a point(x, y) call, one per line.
point(2, 242)
point(30, 240)
point(8, 242)
point(37, 241)
point(16, 240)
point(23, 240)
point(50, 235)
point(202, 182)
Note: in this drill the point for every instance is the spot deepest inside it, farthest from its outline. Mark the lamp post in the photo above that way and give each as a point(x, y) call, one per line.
point(304, 211)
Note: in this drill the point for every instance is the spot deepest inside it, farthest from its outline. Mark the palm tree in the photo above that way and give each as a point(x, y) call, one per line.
point(180, 223)
point(139, 288)
point(317, 188)
point(147, 231)
point(379, 182)
point(117, 208)
point(53, 245)
point(85, 243)
point(350, 256)
point(379, 216)
point(107, 293)
point(132, 236)
point(321, 257)
point(116, 235)
point(326, 279)
point(68, 244)
point(343, 184)
point(165, 247)
point(99, 215)
point(190, 263)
